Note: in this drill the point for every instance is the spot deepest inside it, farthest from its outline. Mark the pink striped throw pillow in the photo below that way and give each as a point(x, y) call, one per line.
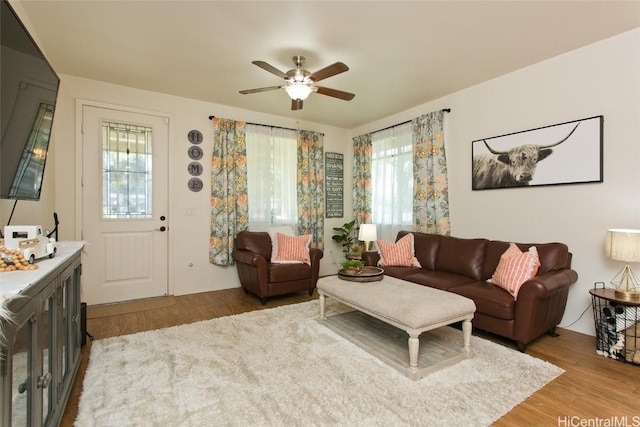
point(292, 249)
point(515, 268)
point(399, 254)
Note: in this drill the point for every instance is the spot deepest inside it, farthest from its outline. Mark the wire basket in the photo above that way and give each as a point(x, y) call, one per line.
point(617, 328)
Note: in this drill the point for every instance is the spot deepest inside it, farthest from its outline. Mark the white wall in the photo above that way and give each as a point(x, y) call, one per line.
point(189, 235)
point(600, 79)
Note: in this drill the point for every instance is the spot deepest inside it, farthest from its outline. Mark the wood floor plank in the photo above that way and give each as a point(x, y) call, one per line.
point(593, 386)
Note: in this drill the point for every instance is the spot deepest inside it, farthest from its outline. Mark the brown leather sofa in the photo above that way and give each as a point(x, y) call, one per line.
point(463, 266)
point(261, 277)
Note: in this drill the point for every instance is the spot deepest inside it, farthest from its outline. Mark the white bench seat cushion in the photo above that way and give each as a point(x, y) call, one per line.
point(402, 302)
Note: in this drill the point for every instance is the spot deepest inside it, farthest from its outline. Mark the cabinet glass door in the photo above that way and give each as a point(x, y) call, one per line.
point(21, 381)
point(48, 332)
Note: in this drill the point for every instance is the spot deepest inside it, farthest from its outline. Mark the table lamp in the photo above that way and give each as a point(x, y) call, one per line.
point(367, 235)
point(624, 245)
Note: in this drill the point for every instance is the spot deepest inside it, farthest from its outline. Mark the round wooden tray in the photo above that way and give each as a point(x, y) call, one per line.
point(369, 274)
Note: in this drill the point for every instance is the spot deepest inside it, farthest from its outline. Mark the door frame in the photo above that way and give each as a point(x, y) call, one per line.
point(79, 156)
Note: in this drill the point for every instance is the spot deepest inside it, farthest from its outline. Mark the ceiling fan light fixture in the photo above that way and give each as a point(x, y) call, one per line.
point(298, 90)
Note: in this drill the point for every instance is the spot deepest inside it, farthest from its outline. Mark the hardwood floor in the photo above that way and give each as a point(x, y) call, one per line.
point(594, 389)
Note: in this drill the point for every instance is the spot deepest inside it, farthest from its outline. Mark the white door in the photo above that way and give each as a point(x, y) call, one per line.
point(124, 205)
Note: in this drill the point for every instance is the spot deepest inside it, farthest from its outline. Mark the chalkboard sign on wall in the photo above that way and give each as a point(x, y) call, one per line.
point(334, 181)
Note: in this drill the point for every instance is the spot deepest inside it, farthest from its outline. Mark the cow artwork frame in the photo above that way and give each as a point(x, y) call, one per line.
point(564, 153)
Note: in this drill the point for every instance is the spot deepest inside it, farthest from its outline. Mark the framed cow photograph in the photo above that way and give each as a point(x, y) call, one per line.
point(565, 153)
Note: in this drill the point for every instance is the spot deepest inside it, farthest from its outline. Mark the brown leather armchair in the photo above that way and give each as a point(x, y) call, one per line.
point(252, 254)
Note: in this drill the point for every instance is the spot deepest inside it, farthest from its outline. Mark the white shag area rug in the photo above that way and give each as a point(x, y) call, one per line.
point(281, 367)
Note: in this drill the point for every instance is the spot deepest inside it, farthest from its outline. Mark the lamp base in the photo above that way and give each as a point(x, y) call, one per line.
point(626, 284)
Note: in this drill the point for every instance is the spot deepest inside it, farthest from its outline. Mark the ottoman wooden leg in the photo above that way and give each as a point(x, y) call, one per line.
point(322, 302)
point(466, 333)
point(414, 345)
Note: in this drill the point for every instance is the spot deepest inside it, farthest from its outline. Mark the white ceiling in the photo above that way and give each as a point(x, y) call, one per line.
point(400, 54)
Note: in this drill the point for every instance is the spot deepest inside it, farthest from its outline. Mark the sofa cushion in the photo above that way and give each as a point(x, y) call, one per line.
point(552, 256)
point(462, 256)
point(515, 268)
point(425, 248)
point(437, 279)
point(401, 272)
point(490, 299)
point(292, 249)
point(400, 253)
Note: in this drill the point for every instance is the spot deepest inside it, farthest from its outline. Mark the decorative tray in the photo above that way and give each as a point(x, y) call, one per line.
point(368, 274)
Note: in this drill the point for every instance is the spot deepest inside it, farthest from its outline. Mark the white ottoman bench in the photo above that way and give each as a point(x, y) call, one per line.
point(408, 306)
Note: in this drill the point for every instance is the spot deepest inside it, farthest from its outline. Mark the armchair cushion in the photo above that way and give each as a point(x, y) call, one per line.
point(292, 249)
point(273, 231)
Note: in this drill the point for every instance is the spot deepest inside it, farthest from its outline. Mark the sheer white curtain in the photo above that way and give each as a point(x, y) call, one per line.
point(392, 181)
point(271, 176)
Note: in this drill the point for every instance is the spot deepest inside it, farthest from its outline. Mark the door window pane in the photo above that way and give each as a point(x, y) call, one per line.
point(126, 171)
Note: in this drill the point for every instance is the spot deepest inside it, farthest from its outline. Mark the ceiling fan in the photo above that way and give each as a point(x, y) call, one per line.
point(300, 82)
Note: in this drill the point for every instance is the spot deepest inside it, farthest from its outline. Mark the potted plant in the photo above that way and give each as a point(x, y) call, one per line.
point(343, 235)
point(352, 266)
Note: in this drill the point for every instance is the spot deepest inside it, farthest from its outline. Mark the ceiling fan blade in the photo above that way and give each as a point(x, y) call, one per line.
point(335, 93)
point(296, 104)
point(329, 71)
point(270, 68)
point(260, 89)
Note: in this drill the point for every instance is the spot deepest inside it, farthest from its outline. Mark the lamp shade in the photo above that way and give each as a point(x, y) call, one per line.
point(298, 90)
point(367, 233)
point(623, 245)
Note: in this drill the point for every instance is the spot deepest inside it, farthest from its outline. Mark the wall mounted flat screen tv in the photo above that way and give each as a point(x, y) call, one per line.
point(28, 94)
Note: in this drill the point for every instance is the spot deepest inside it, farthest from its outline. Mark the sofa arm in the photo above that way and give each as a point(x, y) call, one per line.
point(547, 284)
point(540, 304)
point(370, 258)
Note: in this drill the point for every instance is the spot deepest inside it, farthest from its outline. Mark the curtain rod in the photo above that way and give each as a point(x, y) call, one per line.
point(446, 110)
point(260, 124)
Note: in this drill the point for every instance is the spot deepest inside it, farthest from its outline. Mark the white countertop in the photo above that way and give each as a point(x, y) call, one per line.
point(13, 283)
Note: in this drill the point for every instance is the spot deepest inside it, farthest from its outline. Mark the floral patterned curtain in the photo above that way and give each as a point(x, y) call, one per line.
point(310, 186)
point(229, 206)
point(362, 178)
point(430, 185)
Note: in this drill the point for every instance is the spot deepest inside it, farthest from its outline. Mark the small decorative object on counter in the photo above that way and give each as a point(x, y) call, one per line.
point(23, 245)
point(12, 259)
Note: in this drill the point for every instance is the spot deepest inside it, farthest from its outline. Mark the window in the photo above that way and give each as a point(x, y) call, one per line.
point(392, 180)
point(271, 176)
point(126, 171)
